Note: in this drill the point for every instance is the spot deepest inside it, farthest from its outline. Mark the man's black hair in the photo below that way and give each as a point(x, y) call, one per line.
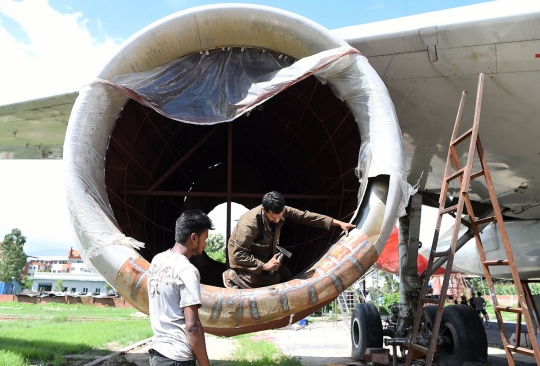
point(479, 294)
point(191, 221)
point(273, 201)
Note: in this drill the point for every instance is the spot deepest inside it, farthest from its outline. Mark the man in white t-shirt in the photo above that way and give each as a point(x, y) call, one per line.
point(480, 304)
point(174, 296)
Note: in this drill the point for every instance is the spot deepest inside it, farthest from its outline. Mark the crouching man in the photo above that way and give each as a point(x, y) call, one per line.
point(174, 296)
point(252, 245)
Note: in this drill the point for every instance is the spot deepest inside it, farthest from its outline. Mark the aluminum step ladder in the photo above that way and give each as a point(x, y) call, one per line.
point(465, 175)
point(346, 301)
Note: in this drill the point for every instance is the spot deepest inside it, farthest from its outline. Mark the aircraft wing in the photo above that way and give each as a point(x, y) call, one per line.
point(427, 60)
point(35, 129)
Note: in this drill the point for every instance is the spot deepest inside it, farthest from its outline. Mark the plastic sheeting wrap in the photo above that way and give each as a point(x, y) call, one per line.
point(218, 86)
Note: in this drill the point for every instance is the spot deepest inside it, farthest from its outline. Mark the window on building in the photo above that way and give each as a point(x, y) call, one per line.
point(97, 291)
point(67, 270)
point(85, 289)
point(81, 269)
point(64, 289)
point(73, 289)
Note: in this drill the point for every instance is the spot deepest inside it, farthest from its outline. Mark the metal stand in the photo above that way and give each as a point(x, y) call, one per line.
point(346, 301)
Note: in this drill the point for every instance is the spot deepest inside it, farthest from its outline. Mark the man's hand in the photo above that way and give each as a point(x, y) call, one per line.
point(345, 226)
point(273, 264)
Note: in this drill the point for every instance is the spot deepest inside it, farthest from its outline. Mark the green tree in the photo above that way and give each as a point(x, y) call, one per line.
point(27, 282)
point(215, 247)
point(59, 287)
point(391, 285)
point(12, 257)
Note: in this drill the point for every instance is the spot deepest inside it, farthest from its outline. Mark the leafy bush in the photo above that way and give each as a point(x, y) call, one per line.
point(390, 299)
point(215, 247)
point(215, 243)
point(501, 289)
point(217, 256)
point(59, 286)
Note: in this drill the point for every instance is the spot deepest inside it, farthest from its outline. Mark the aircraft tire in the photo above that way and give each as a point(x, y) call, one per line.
point(429, 316)
point(468, 341)
point(366, 329)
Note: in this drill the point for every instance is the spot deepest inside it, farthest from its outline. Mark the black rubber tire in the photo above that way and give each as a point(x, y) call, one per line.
point(366, 329)
point(429, 316)
point(469, 341)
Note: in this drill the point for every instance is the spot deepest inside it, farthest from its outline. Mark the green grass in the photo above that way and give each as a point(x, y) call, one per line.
point(44, 342)
point(507, 317)
point(12, 359)
point(63, 310)
point(259, 353)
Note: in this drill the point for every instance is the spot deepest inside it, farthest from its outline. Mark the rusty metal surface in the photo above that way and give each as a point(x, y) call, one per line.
point(231, 312)
point(132, 279)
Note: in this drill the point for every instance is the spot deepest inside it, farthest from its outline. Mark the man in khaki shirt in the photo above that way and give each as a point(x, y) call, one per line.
point(252, 245)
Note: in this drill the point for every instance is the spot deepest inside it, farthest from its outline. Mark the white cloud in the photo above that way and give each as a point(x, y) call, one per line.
point(33, 199)
point(60, 57)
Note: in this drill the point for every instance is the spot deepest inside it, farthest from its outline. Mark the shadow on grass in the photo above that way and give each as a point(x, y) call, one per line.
point(50, 352)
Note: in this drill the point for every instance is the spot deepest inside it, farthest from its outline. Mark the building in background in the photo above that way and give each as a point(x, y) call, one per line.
point(46, 271)
point(72, 263)
point(72, 283)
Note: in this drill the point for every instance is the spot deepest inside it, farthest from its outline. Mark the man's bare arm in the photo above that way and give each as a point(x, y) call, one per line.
point(195, 334)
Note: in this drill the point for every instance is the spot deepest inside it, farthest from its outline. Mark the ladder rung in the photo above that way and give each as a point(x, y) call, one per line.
point(461, 138)
point(448, 209)
point(477, 174)
point(441, 254)
point(509, 309)
point(500, 262)
point(485, 220)
point(522, 350)
point(455, 175)
point(419, 348)
point(430, 300)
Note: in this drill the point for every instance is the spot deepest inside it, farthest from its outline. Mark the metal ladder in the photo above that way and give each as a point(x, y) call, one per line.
point(346, 303)
point(464, 174)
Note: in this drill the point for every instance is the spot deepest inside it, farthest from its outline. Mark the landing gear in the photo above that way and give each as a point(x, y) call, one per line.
point(366, 329)
point(461, 338)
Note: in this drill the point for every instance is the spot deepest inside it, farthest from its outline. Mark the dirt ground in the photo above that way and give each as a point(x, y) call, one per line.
point(318, 344)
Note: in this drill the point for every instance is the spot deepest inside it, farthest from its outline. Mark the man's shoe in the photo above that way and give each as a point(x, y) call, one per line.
point(227, 281)
point(231, 280)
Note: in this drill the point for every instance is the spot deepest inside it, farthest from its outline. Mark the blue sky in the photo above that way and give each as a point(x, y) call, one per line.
point(122, 18)
point(57, 46)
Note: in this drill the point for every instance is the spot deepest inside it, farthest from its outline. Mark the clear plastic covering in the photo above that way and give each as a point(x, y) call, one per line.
point(219, 85)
